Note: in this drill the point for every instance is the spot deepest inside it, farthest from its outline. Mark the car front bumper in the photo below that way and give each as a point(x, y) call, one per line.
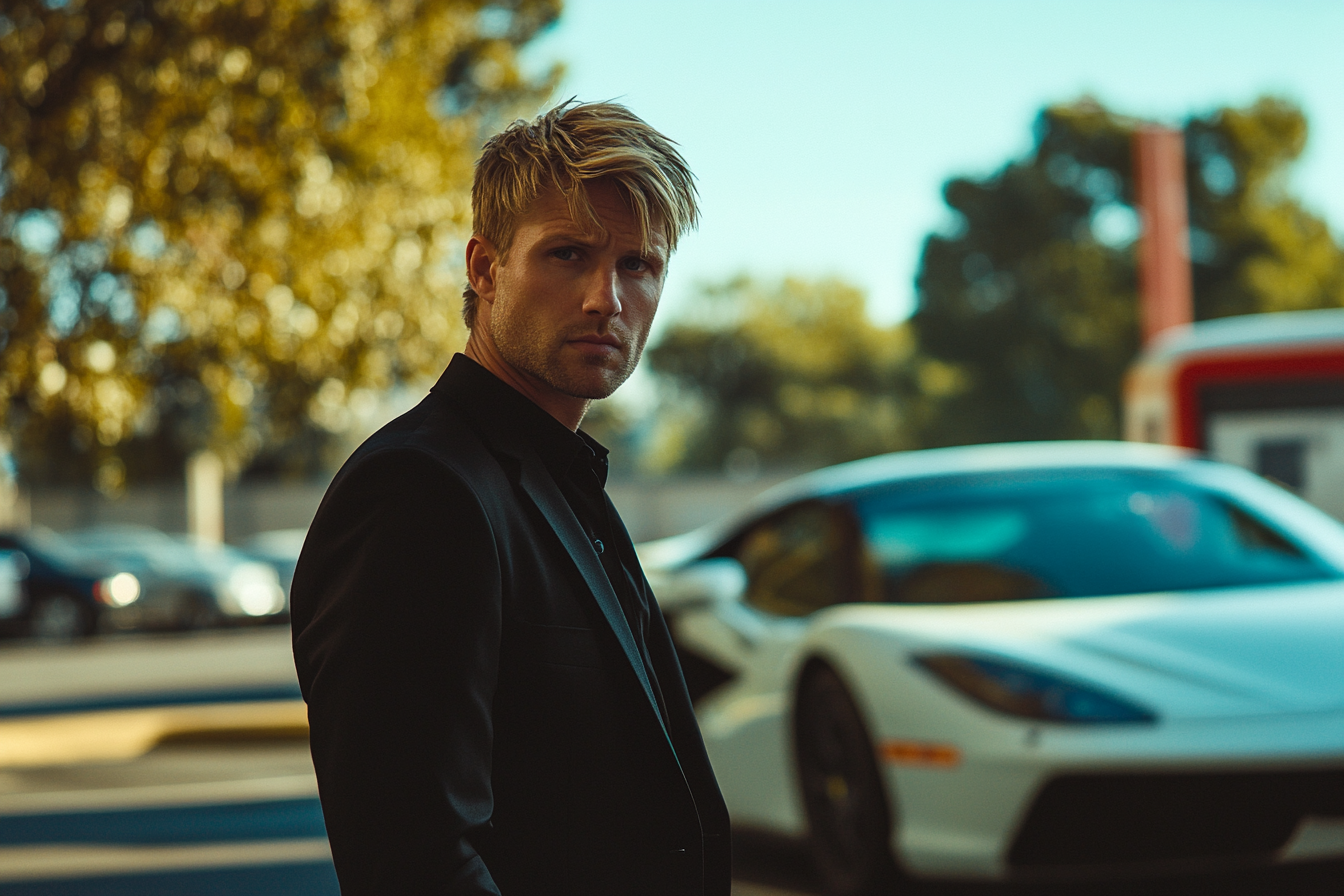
point(1052, 799)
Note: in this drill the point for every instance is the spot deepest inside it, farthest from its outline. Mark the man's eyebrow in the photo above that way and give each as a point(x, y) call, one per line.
point(569, 234)
point(587, 239)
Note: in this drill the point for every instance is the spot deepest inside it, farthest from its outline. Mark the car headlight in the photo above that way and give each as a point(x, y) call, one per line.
point(1020, 690)
point(255, 590)
point(120, 590)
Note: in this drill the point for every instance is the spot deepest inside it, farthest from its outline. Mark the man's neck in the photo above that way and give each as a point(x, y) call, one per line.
point(565, 408)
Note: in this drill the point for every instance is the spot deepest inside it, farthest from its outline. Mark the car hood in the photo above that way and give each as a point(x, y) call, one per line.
point(1267, 650)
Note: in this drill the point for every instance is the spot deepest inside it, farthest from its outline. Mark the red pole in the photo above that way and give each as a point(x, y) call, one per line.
point(1164, 247)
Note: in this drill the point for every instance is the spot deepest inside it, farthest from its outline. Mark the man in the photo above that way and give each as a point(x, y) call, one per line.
point(494, 700)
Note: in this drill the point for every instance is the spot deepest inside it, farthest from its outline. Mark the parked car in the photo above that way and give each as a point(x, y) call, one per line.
point(1000, 661)
point(13, 593)
point(280, 549)
point(194, 585)
point(242, 588)
point(62, 592)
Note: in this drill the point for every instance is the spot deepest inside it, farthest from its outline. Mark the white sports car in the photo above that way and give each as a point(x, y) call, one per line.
point(1015, 660)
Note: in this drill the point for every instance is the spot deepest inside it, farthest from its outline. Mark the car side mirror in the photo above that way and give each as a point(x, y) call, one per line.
point(704, 583)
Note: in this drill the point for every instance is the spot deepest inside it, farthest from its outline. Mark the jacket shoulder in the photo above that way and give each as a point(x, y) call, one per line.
point(432, 436)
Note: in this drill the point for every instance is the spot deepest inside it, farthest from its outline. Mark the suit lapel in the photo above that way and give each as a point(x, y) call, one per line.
point(538, 486)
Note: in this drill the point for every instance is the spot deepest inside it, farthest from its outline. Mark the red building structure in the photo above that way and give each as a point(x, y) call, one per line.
point(1263, 391)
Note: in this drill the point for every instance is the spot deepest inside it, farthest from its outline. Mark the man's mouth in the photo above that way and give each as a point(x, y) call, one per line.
point(596, 340)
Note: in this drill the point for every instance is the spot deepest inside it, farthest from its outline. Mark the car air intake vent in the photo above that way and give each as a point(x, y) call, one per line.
point(1149, 818)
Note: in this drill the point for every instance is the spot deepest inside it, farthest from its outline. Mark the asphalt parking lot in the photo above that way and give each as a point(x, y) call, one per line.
point(108, 786)
point(208, 817)
point(166, 765)
point(183, 818)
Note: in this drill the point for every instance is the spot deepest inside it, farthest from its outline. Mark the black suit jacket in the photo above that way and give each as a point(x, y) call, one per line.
point(481, 719)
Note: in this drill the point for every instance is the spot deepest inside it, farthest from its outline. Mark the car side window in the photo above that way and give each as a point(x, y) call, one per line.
point(798, 561)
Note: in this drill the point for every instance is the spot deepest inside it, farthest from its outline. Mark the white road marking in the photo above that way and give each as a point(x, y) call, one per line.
point(244, 790)
point(55, 862)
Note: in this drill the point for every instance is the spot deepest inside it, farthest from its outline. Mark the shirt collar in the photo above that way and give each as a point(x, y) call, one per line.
point(507, 416)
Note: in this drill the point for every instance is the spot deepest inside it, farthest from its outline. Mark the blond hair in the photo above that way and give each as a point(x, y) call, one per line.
point(566, 147)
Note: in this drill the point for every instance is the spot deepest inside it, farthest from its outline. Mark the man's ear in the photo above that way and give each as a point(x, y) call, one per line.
point(481, 264)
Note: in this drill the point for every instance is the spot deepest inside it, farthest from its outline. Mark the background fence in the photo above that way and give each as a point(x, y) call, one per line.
point(651, 508)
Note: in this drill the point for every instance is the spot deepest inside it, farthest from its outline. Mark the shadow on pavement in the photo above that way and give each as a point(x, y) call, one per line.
point(771, 864)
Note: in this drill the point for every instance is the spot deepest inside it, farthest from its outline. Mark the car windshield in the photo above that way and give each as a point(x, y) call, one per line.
point(1068, 534)
point(120, 537)
point(56, 548)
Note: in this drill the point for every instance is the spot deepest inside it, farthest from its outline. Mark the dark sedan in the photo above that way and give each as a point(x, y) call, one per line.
point(65, 593)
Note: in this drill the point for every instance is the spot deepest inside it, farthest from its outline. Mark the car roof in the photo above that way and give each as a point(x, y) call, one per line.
point(1250, 331)
point(931, 463)
point(971, 459)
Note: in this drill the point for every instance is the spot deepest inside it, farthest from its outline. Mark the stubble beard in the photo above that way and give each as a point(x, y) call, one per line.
point(543, 355)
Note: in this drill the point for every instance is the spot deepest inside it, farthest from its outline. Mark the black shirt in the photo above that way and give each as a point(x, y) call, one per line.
point(578, 464)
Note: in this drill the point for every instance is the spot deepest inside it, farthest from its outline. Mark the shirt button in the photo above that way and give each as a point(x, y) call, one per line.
point(598, 545)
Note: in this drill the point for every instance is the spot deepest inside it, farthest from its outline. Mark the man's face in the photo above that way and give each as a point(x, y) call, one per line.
point(571, 307)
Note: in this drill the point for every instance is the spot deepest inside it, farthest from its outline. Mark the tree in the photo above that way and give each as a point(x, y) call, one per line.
point(1033, 300)
point(224, 222)
point(1254, 248)
point(792, 372)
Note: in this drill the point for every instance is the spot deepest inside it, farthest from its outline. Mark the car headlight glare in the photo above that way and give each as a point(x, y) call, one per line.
point(255, 589)
point(1020, 690)
point(120, 590)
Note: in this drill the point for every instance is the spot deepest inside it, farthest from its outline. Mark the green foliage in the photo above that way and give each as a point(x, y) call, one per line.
point(225, 222)
point(1255, 248)
point(786, 373)
point(1033, 300)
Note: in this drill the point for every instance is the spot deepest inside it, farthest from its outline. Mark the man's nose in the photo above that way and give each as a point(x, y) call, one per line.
point(602, 298)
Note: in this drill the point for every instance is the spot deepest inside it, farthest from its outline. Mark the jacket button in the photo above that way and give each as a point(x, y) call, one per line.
point(598, 545)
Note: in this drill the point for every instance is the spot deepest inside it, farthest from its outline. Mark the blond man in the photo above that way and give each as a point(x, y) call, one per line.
point(494, 700)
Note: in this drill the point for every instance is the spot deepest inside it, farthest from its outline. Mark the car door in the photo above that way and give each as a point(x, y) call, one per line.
point(788, 565)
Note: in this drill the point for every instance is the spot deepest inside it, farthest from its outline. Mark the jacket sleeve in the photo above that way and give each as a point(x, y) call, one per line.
point(396, 615)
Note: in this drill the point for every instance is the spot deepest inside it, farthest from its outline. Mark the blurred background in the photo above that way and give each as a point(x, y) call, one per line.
point(225, 230)
point(231, 238)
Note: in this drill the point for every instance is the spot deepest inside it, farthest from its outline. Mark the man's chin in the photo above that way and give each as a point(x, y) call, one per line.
point(593, 392)
point(592, 384)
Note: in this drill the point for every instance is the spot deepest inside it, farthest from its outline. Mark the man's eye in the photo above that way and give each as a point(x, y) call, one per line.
point(636, 264)
point(565, 254)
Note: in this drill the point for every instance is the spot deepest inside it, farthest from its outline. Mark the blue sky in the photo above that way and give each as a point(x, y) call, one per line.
point(822, 132)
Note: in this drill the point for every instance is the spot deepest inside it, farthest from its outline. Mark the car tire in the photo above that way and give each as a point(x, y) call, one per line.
point(849, 821)
point(60, 617)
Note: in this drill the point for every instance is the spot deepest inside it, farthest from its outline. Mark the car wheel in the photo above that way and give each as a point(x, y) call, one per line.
point(60, 617)
point(849, 822)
